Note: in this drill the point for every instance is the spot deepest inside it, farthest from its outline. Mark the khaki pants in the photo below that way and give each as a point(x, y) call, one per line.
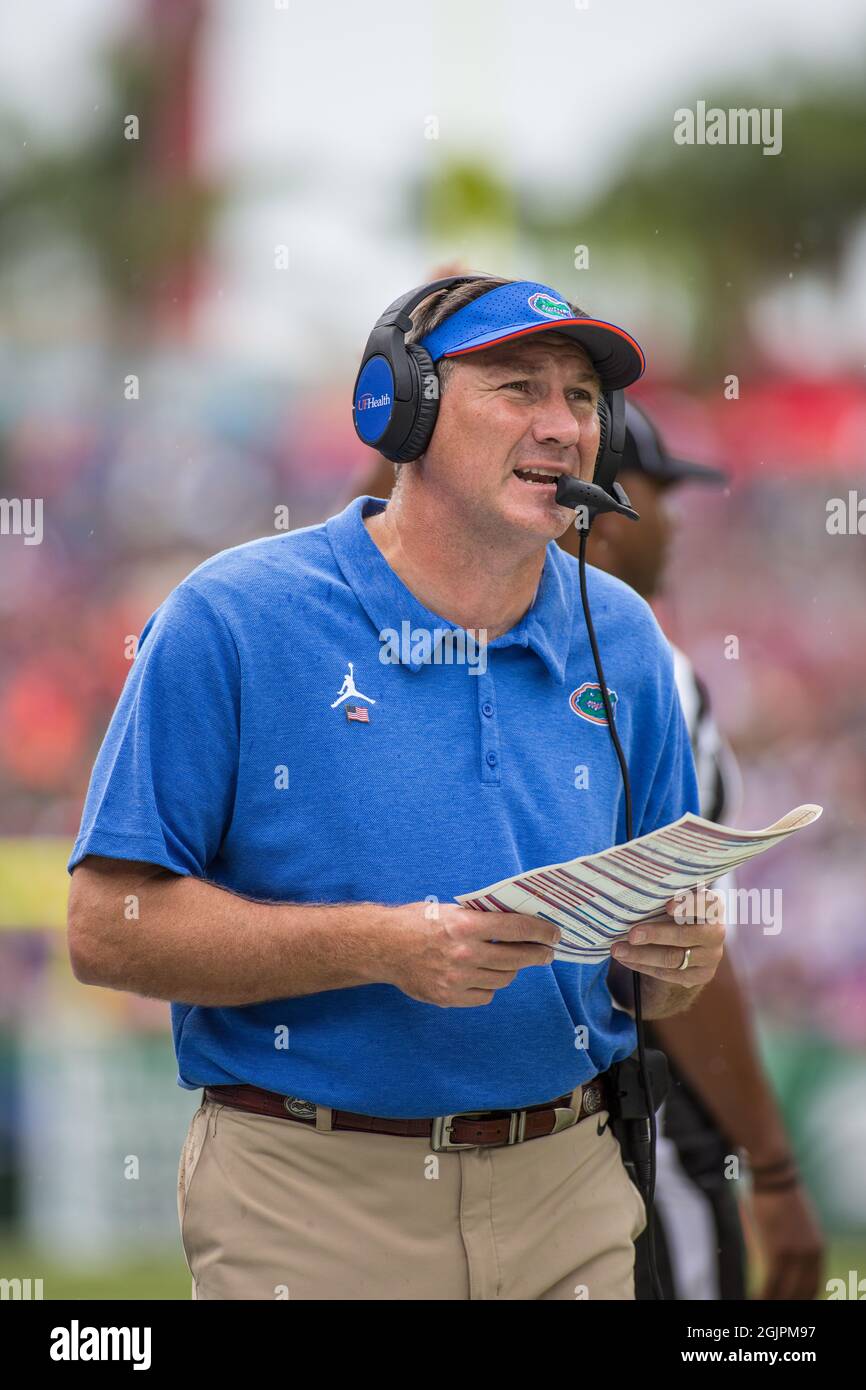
point(272, 1208)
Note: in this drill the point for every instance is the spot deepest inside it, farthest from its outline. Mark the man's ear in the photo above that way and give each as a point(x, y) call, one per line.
point(601, 547)
point(603, 528)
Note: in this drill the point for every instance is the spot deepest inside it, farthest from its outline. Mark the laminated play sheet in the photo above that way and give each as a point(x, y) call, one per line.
point(598, 898)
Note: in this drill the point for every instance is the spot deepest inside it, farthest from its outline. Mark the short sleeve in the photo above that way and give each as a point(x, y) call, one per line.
point(163, 785)
point(674, 788)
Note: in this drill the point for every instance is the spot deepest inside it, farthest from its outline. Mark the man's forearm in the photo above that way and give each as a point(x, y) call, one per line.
point(190, 941)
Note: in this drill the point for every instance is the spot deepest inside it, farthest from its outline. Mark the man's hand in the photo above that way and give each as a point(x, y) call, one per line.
point(694, 921)
point(790, 1242)
point(443, 954)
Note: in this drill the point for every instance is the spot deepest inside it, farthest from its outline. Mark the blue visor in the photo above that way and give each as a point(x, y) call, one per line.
point(514, 310)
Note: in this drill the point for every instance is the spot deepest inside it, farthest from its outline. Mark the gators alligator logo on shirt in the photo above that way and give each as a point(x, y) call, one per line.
point(548, 306)
point(587, 702)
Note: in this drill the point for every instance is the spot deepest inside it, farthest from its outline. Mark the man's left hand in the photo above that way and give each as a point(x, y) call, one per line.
point(694, 921)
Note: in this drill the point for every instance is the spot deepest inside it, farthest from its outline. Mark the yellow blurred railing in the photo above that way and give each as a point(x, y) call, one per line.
point(34, 884)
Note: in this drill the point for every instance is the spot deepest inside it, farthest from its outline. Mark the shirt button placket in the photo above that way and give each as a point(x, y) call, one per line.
point(489, 729)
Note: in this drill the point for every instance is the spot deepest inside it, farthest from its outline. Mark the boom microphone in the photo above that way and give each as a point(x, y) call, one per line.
point(571, 492)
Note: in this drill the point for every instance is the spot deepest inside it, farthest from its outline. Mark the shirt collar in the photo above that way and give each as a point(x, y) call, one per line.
point(546, 627)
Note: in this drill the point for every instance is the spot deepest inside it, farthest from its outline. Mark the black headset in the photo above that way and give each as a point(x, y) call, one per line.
point(406, 375)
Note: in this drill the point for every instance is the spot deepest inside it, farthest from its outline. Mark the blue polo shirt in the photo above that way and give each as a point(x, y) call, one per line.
point(261, 743)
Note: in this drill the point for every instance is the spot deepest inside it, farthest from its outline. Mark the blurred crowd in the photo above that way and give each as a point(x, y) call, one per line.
point(761, 596)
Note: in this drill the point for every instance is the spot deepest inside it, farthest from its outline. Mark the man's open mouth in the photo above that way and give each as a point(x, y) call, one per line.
point(540, 477)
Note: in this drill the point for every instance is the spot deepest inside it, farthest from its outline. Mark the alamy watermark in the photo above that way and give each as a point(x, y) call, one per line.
point(22, 516)
point(77, 1343)
point(438, 646)
point(854, 1288)
point(21, 1289)
point(737, 126)
point(756, 907)
point(846, 517)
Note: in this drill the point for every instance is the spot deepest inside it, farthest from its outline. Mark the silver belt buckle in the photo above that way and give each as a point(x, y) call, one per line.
point(301, 1109)
point(441, 1128)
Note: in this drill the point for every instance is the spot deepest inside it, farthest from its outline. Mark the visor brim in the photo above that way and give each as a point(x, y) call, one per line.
point(616, 356)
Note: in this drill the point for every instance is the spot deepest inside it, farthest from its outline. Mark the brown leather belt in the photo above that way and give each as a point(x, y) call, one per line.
point(467, 1129)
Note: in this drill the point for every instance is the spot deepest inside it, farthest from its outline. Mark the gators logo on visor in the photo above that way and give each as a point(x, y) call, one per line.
point(548, 306)
point(587, 702)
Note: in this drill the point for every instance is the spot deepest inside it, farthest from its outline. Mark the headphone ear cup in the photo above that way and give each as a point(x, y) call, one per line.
point(600, 469)
point(427, 408)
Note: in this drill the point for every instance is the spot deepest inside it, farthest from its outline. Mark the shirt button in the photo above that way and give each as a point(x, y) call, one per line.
point(491, 759)
point(487, 709)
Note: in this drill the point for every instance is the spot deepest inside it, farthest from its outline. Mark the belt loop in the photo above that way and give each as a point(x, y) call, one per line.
point(576, 1098)
point(324, 1117)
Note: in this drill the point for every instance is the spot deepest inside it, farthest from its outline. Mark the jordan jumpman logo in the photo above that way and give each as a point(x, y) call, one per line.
point(348, 688)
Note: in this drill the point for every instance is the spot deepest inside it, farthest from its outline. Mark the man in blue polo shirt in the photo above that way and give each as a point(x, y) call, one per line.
point(292, 797)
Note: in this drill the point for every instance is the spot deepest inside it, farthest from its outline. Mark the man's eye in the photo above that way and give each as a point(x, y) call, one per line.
point(515, 385)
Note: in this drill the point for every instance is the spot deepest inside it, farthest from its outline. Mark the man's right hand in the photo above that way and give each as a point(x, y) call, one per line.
point(441, 953)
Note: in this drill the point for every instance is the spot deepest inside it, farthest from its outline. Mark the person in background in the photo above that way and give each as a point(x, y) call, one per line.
point(720, 1099)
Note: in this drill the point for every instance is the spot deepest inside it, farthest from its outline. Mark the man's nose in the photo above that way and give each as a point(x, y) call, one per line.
point(554, 422)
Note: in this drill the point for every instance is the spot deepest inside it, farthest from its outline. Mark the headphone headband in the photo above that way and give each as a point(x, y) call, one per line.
point(405, 303)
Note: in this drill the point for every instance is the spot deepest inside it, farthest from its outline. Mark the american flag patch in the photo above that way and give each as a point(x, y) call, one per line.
point(359, 713)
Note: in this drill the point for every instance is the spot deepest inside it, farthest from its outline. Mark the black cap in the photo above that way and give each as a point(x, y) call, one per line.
point(645, 452)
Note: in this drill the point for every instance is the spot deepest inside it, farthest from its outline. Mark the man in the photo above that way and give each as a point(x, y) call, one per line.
point(720, 1099)
point(369, 1050)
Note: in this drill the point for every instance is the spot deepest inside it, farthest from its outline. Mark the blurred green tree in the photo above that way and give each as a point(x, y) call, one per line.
point(724, 223)
point(136, 206)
